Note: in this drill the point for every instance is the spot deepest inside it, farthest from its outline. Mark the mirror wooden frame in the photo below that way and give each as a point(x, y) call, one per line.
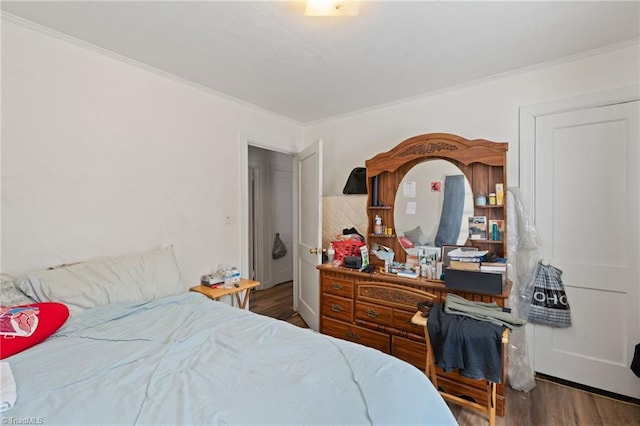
point(483, 162)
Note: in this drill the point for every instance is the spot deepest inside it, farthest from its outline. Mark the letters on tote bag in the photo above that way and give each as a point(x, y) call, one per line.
point(549, 303)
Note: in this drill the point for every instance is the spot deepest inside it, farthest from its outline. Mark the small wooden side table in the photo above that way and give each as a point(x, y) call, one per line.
point(218, 292)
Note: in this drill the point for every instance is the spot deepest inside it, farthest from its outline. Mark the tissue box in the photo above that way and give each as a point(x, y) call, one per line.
point(353, 262)
point(481, 282)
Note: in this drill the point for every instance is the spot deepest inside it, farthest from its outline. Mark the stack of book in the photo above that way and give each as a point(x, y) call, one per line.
point(498, 267)
point(475, 263)
point(465, 258)
point(472, 264)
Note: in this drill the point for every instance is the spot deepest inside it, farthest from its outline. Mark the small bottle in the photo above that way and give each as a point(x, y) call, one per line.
point(377, 229)
point(433, 271)
point(330, 254)
point(495, 234)
point(492, 199)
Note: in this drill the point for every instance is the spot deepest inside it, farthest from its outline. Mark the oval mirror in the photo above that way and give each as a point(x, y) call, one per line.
point(432, 206)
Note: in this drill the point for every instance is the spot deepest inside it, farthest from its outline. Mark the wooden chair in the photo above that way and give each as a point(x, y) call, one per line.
point(430, 370)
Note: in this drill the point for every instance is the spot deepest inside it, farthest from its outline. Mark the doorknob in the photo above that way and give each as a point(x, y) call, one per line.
point(314, 250)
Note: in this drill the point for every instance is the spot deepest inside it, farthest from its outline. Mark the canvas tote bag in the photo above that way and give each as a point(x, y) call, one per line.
point(549, 304)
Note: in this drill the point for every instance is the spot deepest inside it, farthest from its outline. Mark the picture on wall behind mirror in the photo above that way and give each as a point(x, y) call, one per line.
point(477, 227)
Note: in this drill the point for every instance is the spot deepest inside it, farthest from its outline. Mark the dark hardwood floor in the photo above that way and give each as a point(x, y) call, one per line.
point(548, 404)
point(554, 404)
point(276, 302)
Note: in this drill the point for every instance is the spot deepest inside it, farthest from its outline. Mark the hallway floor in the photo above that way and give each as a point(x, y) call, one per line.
point(276, 302)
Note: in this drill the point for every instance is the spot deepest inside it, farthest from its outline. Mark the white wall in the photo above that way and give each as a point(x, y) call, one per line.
point(100, 157)
point(488, 110)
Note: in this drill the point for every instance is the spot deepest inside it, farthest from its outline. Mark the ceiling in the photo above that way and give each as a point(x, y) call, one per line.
point(308, 69)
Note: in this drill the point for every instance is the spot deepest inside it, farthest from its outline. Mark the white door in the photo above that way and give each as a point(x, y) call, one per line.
point(587, 211)
point(309, 234)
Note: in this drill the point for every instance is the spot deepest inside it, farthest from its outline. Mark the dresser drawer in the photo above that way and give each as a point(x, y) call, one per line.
point(402, 321)
point(374, 313)
point(413, 352)
point(356, 334)
point(337, 286)
point(337, 307)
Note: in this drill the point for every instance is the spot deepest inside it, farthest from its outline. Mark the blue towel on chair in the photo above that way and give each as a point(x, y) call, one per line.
point(472, 346)
point(452, 207)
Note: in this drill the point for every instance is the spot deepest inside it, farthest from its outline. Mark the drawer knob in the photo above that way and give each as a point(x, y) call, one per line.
point(336, 286)
point(336, 308)
point(352, 335)
point(372, 313)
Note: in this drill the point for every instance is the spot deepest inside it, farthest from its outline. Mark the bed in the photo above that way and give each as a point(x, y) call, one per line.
point(181, 358)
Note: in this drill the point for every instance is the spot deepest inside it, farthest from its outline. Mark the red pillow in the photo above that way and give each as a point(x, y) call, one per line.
point(24, 326)
point(405, 242)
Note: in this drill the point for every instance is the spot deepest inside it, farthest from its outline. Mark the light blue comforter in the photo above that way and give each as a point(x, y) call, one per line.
point(184, 359)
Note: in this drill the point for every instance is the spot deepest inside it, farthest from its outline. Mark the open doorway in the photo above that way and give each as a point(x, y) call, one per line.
point(271, 210)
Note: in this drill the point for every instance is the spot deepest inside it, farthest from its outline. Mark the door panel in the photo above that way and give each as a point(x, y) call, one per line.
point(587, 192)
point(309, 233)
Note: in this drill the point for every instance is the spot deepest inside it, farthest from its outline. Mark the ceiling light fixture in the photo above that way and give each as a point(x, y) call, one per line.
point(331, 8)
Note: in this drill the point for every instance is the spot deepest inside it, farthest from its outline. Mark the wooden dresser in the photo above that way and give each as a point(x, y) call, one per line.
point(375, 310)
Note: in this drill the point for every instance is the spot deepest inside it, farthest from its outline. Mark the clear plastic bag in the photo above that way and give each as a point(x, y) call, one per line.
point(523, 246)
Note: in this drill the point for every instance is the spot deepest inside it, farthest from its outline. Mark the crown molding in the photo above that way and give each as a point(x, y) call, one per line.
point(477, 82)
point(25, 23)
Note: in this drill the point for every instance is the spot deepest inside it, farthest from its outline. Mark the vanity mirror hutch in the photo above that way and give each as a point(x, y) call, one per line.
point(375, 309)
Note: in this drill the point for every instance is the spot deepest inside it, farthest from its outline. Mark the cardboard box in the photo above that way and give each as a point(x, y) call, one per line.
point(481, 282)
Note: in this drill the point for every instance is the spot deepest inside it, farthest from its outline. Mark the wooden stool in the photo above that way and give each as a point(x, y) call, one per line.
point(430, 371)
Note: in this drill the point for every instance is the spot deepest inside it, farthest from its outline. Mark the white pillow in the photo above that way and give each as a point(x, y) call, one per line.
point(10, 294)
point(135, 277)
point(416, 236)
